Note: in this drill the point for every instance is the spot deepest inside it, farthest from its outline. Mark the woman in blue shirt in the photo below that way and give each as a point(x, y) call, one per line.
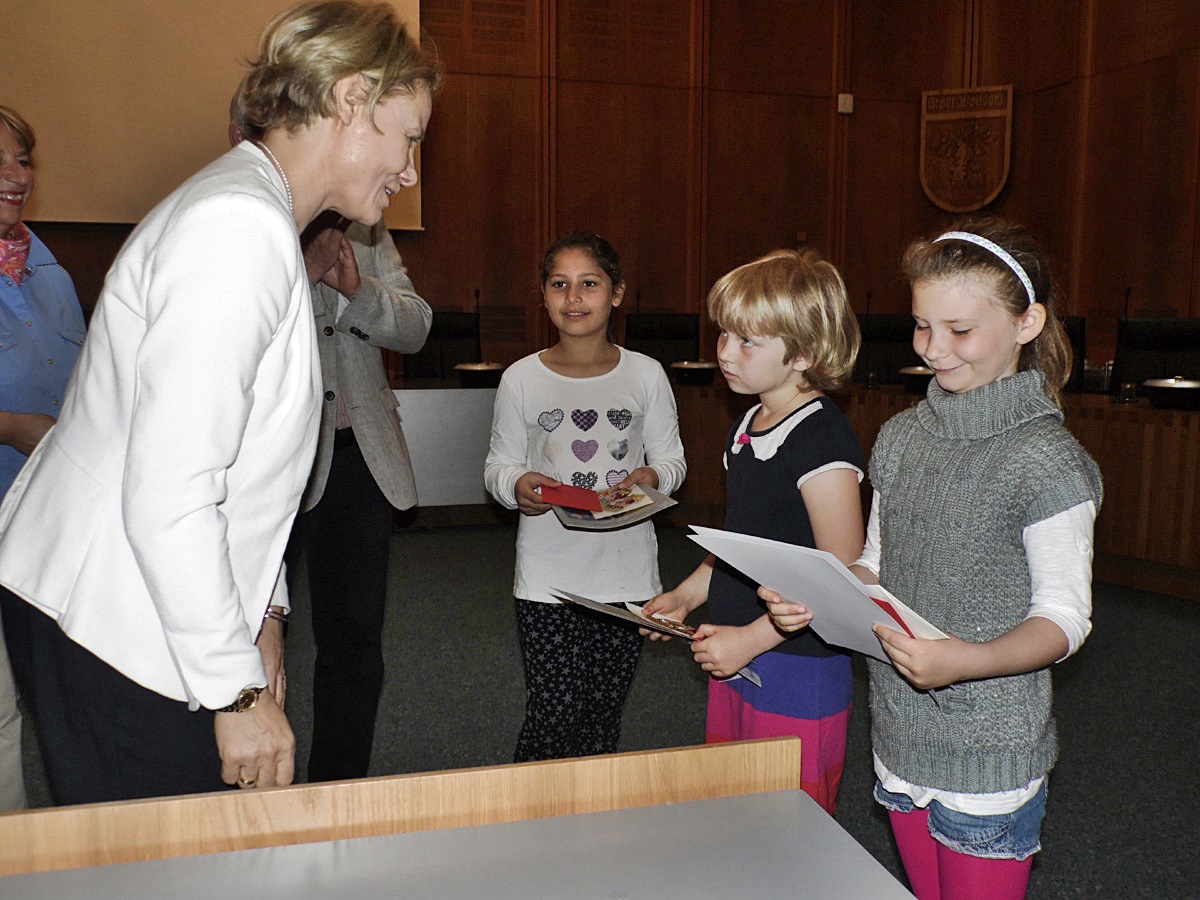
point(41, 330)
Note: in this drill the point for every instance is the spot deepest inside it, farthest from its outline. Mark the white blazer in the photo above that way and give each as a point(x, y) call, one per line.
point(151, 520)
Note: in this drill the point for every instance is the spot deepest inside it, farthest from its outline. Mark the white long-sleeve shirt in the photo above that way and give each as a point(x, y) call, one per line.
point(589, 432)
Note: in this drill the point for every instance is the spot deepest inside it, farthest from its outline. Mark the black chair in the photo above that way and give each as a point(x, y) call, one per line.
point(886, 347)
point(1155, 348)
point(1076, 329)
point(667, 337)
point(453, 339)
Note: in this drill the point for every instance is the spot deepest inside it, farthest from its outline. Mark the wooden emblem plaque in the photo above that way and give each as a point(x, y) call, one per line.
point(965, 145)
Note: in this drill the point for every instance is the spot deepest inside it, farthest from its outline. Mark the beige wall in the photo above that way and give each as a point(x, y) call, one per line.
point(128, 99)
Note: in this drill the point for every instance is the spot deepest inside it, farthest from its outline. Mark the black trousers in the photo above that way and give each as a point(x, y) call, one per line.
point(346, 538)
point(16, 615)
point(579, 666)
point(104, 737)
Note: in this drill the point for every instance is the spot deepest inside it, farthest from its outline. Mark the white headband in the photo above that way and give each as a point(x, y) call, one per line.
point(996, 250)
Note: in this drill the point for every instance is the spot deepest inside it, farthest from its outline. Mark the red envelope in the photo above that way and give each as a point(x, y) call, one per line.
point(574, 497)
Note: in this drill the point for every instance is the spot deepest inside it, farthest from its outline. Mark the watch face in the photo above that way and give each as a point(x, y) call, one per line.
point(247, 698)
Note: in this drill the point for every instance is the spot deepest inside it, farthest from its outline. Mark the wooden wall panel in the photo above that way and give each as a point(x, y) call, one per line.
point(628, 41)
point(768, 156)
point(488, 37)
point(1042, 182)
point(773, 46)
point(898, 50)
point(1122, 33)
point(1029, 44)
point(485, 164)
point(885, 206)
point(622, 169)
point(1139, 193)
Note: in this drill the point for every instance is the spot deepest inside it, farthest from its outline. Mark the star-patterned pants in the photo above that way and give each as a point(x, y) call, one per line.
point(578, 669)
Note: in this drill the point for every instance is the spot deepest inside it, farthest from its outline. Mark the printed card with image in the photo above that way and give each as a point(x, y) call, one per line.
point(618, 508)
point(614, 501)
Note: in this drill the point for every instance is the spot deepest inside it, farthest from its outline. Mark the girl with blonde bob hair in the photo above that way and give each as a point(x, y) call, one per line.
point(793, 467)
point(166, 491)
point(798, 296)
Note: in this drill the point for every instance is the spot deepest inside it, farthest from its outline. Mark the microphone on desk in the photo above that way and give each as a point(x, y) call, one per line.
point(870, 375)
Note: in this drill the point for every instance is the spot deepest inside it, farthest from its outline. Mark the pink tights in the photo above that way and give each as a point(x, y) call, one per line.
point(936, 872)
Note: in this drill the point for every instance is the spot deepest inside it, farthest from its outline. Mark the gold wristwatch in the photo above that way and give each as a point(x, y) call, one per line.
point(245, 700)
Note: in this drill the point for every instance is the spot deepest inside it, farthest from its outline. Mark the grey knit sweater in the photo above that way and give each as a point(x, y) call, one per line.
point(960, 476)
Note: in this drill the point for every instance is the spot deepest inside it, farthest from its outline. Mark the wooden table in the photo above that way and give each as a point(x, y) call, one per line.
point(692, 822)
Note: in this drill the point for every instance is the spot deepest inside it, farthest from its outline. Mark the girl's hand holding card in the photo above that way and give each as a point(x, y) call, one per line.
point(528, 493)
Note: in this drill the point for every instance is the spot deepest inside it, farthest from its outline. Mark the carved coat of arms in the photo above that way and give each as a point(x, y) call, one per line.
point(965, 145)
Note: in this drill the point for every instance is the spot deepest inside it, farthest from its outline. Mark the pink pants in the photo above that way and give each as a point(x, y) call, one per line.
point(935, 872)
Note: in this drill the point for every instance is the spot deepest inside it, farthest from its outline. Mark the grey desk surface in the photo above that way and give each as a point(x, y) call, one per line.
point(757, 846)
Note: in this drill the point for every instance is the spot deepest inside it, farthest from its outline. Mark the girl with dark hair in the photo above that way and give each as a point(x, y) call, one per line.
point(591, 414)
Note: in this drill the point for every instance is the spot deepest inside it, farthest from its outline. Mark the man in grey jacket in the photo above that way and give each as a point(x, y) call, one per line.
point(363, 300)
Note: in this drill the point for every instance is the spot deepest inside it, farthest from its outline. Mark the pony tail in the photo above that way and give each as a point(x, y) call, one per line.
point(1050, 352)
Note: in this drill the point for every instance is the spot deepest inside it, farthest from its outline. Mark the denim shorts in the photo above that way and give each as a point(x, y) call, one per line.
point(1014, 835)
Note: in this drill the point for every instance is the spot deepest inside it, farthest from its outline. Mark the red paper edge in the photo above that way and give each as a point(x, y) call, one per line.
point(891, 611)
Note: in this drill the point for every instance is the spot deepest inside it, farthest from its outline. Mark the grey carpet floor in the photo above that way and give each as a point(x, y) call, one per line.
point(1122, 819)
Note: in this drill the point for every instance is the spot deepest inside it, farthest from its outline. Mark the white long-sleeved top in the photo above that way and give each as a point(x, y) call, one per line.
point(590, 432)
point(1059, 551)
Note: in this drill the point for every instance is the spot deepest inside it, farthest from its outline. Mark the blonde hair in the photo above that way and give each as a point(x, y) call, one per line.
point(799, 297)
point(20, 129)
point(306, 50)
point(928, 259)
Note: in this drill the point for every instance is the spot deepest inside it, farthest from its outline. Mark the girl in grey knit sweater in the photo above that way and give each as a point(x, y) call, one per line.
point(982, 522)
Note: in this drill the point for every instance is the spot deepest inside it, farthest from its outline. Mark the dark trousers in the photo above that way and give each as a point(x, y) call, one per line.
point(16, 615)
point(578, 670)
point(346, 538)
point(105, 737)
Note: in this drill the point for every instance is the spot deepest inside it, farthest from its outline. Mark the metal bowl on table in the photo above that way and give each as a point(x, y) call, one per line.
point(479, 374)
point(699, 371)
point(915, 378)
point(1173, 393)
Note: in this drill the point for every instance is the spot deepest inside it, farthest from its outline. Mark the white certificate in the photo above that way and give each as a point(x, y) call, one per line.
point(844, 609)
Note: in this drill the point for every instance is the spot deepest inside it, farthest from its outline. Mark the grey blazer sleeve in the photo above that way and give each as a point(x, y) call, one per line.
point(386, 313)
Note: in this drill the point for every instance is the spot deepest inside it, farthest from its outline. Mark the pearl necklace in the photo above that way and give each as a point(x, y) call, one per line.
point(278, 168)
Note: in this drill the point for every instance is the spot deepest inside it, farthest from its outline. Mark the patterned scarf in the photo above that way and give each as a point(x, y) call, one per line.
point(14, 252)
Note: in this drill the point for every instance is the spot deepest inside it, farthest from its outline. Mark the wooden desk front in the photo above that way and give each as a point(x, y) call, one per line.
point(769, 846)
point(690, 822)
point(99, 834)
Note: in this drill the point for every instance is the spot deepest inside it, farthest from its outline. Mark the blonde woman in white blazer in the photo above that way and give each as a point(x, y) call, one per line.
point(149, 525)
